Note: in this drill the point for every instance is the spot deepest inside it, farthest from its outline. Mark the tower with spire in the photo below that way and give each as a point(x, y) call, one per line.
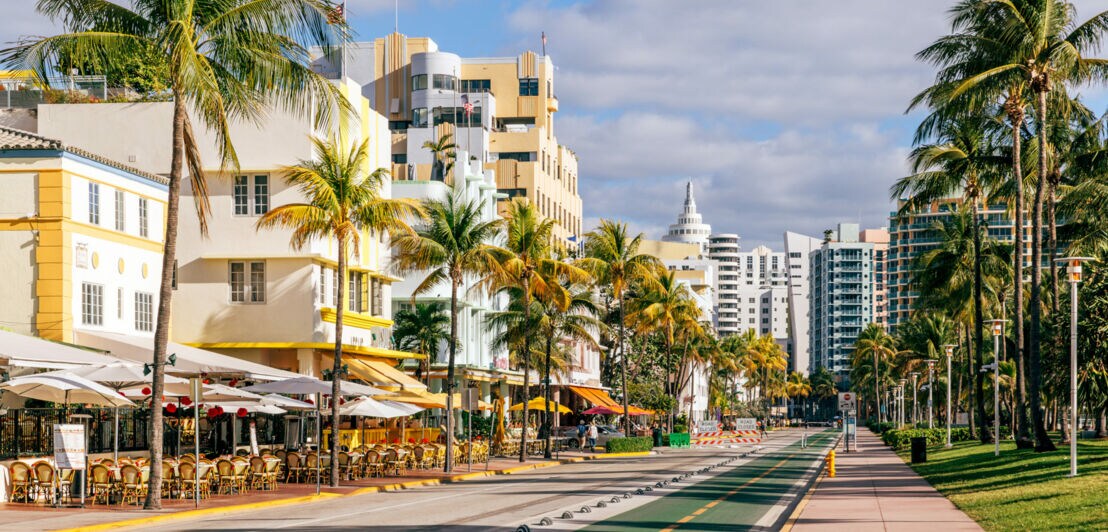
point(690, 227)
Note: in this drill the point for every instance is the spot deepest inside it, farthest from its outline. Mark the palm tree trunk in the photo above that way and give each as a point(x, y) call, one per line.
point(526, 365)
point(670, 388)
point(623, 364)
point(1052, 242)
point(165, 293)
point(336, 370)
point(455, 280)
point(1016, 119)
point(547, 415)
point(1042, 439)
point(979, 322)
point(877, 386)
point(969, 368)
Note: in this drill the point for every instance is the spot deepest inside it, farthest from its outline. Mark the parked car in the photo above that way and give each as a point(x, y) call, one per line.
point(603, 434)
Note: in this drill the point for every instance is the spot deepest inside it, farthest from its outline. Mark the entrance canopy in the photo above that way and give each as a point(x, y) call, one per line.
point(21, 351)
point(190, 360)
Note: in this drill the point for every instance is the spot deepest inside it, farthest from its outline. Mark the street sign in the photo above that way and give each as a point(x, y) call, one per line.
point(707, 425)
point(746, 423)
point(470, 396)
point(848, 401)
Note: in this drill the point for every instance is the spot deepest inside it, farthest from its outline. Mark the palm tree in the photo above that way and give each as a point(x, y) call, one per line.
point(614, 259)
point(343, 201)
point(443, 153)
point(422, 330)
point(527, 253)
point(215, 70)
point(568, 317)
point(823, 384)
point(453, 244)
point(798, 385)
point(876, 344)
point(1039, 41)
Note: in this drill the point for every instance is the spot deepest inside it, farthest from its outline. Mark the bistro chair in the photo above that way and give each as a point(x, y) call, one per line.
point(130, 484)
point(187, 473)
point(258, 477)
point(22, 483)
point(170, 481)
point(100, 480)
point(45, 481)
point(65, 483)
point(227, 479)
point(294, 467)
point(373, 465)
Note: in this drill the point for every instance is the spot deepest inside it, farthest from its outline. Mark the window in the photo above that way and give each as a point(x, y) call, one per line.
point(335, 288)
point(419, 82)
point(400, 158)
point(398, 126)
point(94, 203)
point(354, 291)
point(92, 304)
point(119, 303)
point(144, 218)
point(261, 194)
point(378, 306)
point(247, 289)
point(444, 81)
point(144, 311)
point(476, 85)
point(528, 87)
point(419, 117)
point(322, 285)
point(241, 194)
point(120, 212)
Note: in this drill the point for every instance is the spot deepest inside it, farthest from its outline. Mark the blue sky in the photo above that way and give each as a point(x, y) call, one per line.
point(787, 115)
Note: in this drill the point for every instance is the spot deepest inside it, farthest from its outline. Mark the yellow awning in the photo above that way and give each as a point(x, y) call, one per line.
point(383, 376)
point(539, 404)
point(596, 396)
point(416, 397)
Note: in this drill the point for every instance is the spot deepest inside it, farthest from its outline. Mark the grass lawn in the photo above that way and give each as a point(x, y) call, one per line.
point(1022, 489)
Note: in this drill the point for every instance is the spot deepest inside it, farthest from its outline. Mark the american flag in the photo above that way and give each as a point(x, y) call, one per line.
point(337, 14)
point(467, 106)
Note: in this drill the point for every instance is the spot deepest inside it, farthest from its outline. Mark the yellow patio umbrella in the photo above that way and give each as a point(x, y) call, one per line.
point(500, 434)
point(539, 404)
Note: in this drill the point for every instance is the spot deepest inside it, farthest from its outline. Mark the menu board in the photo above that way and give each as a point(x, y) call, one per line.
point(69, 446)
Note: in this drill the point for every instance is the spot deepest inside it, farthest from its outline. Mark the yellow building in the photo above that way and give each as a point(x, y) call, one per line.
point(80, 240)
point(423, 93)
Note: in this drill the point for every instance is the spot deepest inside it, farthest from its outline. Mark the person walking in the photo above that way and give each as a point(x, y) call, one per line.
point(592, 434)
point(582, 429)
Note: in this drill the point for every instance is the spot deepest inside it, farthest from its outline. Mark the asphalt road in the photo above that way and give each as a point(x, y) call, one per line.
point(505, 502)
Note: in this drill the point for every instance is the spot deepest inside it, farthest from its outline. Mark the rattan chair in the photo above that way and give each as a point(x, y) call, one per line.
point(131, 485)
point(100, 480)
point(22, 482)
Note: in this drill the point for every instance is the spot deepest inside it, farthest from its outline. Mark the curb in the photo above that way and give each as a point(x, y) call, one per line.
point(202, 512)
point(799, 509)
point(307, 499)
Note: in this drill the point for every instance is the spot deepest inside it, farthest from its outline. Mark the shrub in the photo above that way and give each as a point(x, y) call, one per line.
point(680, 428)
point(902, 439)
point(880, 428)
point(629, 445)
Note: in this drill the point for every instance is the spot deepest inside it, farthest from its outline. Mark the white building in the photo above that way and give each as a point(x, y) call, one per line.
point(690, 227)
point(797, 249)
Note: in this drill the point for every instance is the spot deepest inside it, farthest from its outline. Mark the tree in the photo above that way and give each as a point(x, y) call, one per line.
point(798, 385)
point(879, 346)
point(443, 153)
point(343, 201)
point(823, 384)
point(529, 249)
point(216, 71)
point(422, 330)
point(614, 260)
point(453, 244)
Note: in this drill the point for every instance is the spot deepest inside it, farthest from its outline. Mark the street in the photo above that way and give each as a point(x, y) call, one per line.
point(749, 494)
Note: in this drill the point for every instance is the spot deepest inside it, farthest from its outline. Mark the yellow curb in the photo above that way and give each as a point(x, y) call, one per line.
point(186, 514)
point(619, 455)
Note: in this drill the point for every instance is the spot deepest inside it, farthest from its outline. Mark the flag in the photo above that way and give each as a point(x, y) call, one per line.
point(337, 14)
point(467, 105)
point(544, 40)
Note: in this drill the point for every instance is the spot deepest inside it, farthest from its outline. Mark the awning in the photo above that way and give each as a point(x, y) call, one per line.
point(381, 375)
point(190, 360)
point(22, 351)
point(596, 396)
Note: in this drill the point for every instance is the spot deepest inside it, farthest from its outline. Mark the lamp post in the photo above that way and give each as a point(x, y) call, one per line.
point(998, 331)
point(949, 357)
point(930, 396)
point(915, 404)
point(900, 404)
point(1074, 270)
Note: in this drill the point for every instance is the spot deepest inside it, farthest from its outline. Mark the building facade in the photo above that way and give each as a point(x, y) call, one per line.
point(843, 295)
point(80, 240)
point(690, 227)
point(417, 87)
point(797, 249)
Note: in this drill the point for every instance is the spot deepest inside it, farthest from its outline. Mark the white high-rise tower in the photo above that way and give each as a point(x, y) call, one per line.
point(690, 227)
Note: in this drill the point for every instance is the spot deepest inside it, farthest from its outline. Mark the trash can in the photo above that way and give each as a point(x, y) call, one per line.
point(657, 434)
point(919, 450)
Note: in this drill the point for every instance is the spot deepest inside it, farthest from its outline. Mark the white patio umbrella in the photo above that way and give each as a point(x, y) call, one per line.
point(310, 385)
point(369, 407)
point(62, 387)
point(285, 402)
point(117, 376)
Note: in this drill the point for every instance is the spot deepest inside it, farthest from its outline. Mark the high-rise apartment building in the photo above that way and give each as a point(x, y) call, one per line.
point(797, 249)
point(912, 234)
point(844, 294)
point(499, 110)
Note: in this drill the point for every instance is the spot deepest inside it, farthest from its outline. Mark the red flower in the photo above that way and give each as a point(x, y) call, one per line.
point(424, 440)
point(146, 391)
point(396, 440)
point(186, 401)
point(241, 412)
point(233, 383)
point(171, 408)
point(207, 381)
point(411, 440)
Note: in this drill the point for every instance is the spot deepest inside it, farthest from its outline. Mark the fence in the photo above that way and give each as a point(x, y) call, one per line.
point(27, 93)
point(29, 431)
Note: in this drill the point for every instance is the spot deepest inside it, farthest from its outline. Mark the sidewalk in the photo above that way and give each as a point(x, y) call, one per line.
point(875, 490)
point(22, 516)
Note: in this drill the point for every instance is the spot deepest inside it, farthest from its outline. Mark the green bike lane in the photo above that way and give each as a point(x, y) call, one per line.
point(733, 500)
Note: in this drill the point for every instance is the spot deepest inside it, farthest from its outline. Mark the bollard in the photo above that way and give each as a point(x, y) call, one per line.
point(830, 459)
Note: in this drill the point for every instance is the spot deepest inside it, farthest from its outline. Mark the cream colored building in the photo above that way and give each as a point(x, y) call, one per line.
point(242, 291)
point(417, 87)
point(80, 240)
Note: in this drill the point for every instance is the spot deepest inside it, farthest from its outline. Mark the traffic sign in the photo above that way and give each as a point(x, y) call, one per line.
point(848, 401)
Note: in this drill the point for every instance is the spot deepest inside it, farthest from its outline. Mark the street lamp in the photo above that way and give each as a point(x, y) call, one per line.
point(900, 401)
point(1074, 270)
point(949, 356)
point(915, 404)
point(930, 386)
point(998, 331)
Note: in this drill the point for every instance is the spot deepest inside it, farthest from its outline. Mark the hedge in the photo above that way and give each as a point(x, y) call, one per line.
point(629, 445)
point(902, 439)
point(880, 428)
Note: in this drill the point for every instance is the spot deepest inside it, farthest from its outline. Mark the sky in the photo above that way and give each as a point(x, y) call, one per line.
point(787, 115)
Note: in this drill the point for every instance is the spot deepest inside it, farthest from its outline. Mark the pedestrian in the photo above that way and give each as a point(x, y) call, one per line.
point(582, 429)
point(762, 428)
point(592, 433)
